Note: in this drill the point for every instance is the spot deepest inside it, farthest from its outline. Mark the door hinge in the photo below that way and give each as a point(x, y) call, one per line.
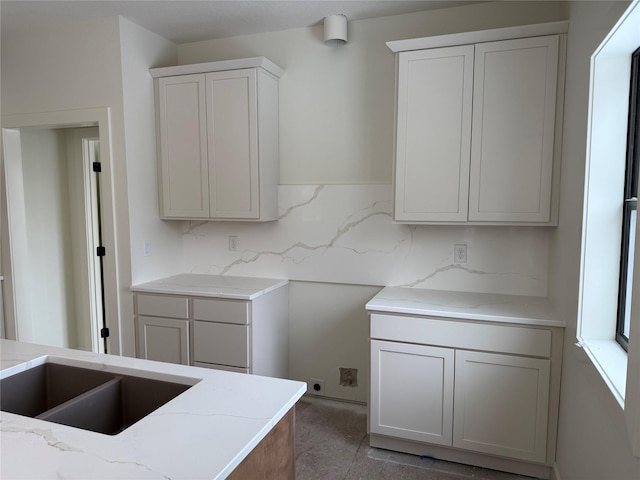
point(104, 333)
point(97, 167)
point(101, 251)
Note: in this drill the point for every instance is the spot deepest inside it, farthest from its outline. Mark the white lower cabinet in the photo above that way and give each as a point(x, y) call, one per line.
point(501, 405)
point(470, 392)
point(222, 344)
point(413, 387)
point(163, 328)
point(246, 336)
point(163, 339)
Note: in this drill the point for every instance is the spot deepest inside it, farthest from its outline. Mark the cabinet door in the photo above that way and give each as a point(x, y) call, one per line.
point(433, 134)
point(412, 391)
point(182, 139)
point(501, 405)
point(163, 339)
point(514, 108)
point(233, 144)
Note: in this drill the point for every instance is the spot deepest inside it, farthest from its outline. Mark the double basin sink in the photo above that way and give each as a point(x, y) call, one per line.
point(95, 400)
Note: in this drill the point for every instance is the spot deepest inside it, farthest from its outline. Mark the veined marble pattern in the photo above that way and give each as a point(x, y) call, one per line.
point(205, 432)
point(345, 234)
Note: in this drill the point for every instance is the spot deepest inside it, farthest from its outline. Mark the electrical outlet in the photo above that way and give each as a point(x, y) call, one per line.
point(147, 248)
point(460, 253)
point(315, 386)
point(234, 241)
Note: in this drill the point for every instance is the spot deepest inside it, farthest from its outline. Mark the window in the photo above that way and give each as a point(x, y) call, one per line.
point(630, 206)
point(613, 142)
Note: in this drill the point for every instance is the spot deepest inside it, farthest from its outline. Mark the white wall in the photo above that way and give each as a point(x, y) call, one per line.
point(330, 330)
point(142, 50)
point(336, 143)
point(336, 104)
point(77, 67)
point(592, 438)
point(96, 64)
point(50, 257)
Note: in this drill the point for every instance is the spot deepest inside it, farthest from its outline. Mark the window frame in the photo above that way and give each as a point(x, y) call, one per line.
point(630, 201)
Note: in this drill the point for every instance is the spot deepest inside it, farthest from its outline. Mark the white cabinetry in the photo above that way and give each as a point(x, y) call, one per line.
point(434, 134)
point(478, 392)
point(501, 405)
point(217, 126)
point(222, 333)
point(413, 387)
point(477, 140)
point(163, 328)
point(246, 336)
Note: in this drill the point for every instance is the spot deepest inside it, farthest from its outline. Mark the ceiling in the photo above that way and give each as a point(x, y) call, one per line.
point(184, 21)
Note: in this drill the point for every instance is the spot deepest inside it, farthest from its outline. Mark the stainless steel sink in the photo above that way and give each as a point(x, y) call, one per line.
point(86, 398)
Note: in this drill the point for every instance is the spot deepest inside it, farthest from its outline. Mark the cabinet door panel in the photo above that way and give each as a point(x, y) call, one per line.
point(433, 134)
point(184, 183)
point(221, 343)
point(514, 105)
point(163, 339)
point(412, 391)
point(501, 405)
point(233, 144)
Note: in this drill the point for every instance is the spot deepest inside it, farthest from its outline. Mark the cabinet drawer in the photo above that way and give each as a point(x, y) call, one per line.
point(226, 368)
point(224, 311)
point(162, 306)
point(472, 336)
point(221, 343)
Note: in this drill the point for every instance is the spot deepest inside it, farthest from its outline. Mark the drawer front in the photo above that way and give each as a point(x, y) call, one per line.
point(473, 336)
point(221, 343)
point(162, 306)
point(226, 368)
point(224, 311)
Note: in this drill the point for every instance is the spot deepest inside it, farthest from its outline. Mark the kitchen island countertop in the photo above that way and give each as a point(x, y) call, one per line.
point(204, 432)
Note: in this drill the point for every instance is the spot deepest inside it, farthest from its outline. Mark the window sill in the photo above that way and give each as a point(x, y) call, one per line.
point(610, 361)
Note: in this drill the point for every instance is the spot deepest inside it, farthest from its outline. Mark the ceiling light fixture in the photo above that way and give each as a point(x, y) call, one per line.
point(335, 30)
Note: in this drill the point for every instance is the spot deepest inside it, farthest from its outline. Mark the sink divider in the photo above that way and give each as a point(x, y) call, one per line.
point(98, 410)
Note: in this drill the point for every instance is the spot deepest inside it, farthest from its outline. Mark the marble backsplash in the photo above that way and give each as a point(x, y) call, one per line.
point(345, 234)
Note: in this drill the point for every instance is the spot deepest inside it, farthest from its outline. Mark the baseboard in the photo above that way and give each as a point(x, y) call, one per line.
point(461, 456)
point(555, 474)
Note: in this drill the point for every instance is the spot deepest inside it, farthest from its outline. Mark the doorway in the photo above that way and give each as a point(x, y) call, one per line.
point(59, 284)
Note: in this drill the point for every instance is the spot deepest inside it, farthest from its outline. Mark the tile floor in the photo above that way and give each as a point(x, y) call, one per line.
point(332, 444)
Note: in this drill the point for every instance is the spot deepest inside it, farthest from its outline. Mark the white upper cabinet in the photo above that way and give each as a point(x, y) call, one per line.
point(434, 134)
point(182, 123)
point(477, 140)
point(232, 140)
point(218, 140)
point(514, 109)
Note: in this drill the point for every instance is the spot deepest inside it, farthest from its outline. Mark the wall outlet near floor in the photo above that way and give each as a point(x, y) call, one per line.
point(315, 386)
point(460, 253)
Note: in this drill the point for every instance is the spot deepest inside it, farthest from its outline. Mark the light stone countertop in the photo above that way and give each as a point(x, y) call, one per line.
point(204, 433)
point(465, 305)
point(220, 286)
